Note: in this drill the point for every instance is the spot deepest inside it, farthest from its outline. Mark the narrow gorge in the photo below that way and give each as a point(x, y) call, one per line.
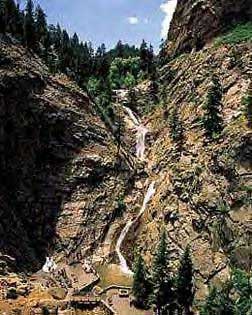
point(126, 174)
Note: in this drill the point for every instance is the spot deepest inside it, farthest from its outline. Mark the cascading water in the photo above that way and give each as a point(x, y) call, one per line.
point(141, 132)
point(123, 263)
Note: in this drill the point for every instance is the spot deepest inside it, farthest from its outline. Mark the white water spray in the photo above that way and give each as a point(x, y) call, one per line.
point(123, 263)
point(49, 265)
point(141, 132)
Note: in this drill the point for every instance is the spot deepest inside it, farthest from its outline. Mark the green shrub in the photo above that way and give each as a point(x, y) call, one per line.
point(121, 207)
point(247, 106)
point(232, 298)
point(176, 128)
point(241, 33)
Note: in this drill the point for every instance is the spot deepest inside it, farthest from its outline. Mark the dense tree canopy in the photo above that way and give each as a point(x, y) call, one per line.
point(97, 71)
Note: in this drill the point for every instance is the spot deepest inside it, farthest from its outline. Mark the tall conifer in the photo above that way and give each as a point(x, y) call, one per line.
point(212, 117)
point(141, 284)
point(185, 290)
point(162, 296)
point(40, 25)
point(29, 26)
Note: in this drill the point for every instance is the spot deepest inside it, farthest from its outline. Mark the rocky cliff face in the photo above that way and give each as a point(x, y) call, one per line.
point(203, 193)
point(58, 163)
point(62, 177)
point(196, 22)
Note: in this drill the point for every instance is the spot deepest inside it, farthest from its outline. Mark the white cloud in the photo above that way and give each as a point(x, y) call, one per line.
point(133, 20)
point(146, 21)
point(168, 8)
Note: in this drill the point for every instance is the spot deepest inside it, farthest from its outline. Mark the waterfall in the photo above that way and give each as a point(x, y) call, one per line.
point(123, 263)
point(150, 192)
point(132, 116)
point(49, 265)
point(141, 132)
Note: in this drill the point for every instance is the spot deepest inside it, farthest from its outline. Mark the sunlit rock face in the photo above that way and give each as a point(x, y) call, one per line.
point(202, 187)
point(196, 22)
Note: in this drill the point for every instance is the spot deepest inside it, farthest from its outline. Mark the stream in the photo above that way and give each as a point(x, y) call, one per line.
point(141, 132)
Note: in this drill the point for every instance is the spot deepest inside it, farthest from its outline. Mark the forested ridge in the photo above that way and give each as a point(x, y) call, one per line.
point(96, 70)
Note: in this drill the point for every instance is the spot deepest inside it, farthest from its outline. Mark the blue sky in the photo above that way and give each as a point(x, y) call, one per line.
point(110, 20)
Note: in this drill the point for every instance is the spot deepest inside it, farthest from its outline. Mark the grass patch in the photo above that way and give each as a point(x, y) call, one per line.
point(241, 33)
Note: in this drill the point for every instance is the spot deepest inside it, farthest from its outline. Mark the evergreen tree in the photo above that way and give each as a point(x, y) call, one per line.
point(147, 57)
point(151, 64)
point(242, 286)
point(101, 64)
point(75, 41)
point(19, 23)
point(177, 131)
point(29, 26)
point(10, 16)
point(141, 284)
point(75, 57)
point(154, 86)
point(185, 290)
point(219, 302)
point(64, 52)
point(162, 56)
point(119, 49)
point(247, 103)
point(40, 25)
point(2, 16)
point(163, 295)
point(212, 117)
point(57, 37)
point(144, 56)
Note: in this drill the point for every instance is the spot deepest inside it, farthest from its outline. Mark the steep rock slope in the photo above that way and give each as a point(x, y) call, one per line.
point(203, 193)
point(58, 163)
point(196, 22)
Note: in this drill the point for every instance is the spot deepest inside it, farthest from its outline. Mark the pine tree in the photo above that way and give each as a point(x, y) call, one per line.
point(151, 64)
point(10, 16)
point(57, 40)
point(177, 131)
point(2, 17)
point(162, 296)
point(29, 26)
point(75, 41)
point(144, 56)
point(40, 25)
point(119, 49)
point(154, 86)
point(64, 52)
point(162, 56)
point(20, 23)
point(247, 104)
point(185, 290)
point(141, 284)
point(212, 118)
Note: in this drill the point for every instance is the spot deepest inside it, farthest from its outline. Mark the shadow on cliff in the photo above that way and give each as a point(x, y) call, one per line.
point(37, 144)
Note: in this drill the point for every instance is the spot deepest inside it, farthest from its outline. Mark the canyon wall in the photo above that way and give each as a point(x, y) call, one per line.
point(196, 22)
